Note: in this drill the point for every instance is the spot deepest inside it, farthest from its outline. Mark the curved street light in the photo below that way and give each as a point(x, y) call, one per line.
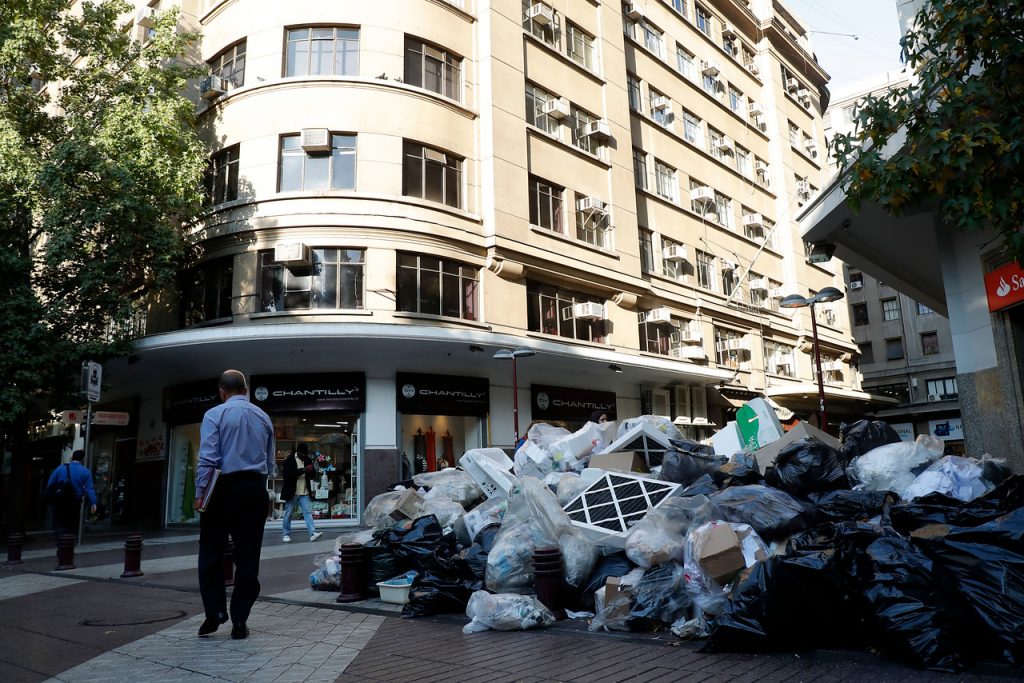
point(826, 295)
point(512, 355)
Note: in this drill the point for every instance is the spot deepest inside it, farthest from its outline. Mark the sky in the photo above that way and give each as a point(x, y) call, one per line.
point(846, 60)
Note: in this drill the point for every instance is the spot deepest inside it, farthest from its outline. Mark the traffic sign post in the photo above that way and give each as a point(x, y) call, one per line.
point(92, 380)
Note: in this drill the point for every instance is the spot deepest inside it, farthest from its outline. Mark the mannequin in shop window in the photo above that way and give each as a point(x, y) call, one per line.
point(419, 452)
point(447, 451)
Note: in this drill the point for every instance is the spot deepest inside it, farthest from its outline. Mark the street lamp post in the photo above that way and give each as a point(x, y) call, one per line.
point(513, 354)
point(826, 295)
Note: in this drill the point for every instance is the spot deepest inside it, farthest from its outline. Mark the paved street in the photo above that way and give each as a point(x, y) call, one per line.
point(88, 625)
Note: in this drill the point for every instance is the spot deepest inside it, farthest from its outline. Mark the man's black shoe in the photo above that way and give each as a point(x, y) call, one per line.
point(212, 624)
point(239, 631)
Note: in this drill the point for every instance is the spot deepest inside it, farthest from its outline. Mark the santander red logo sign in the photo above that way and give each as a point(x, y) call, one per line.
point(1004, 286)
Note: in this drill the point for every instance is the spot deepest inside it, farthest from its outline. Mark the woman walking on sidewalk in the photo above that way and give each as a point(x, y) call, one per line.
point(296, 471)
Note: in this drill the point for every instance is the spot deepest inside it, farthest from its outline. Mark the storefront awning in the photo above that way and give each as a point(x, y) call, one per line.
point(804, 397)
point(911, 411)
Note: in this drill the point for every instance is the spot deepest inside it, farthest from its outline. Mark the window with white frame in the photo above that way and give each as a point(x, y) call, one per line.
point(432, 174)
point(729, 351)
point(809, 146)
point(551, 310)
point(736, 101)
point(685, 63)
point(771, 237)
point(640, 168)
point(333, 280)
point(923, 310)
point(761, 172)
point(831, 369)
point(758, 296)
point(703, 19)
point(322, 51)
point(748, 57)
point(300, 170)
point(700, 206)
point(730, 278)
point(794, 134)
point(669, 268)
point(679, 6)
point(890, 309)
point(646, 251)
point(711, 86)
point(779, 359)
point(945, 388)
point(705, 267)
point(549, 32)
point(229, 64)
point(579, 120)
point(743, 165)
point(433, 68)
point(593, 225)
point(579, 46)
point(660, 107)
point(221, 177)
point(723, 210)
point(546, 209)
point(655, 337)
point(730, 46)
point(428, 284)
point(716, 144)
point(633, 88)
point(693, 132)
point(536, 98)
point(652, 38)
point(666, 183)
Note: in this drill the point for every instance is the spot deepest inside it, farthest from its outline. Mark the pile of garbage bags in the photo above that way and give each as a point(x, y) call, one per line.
point(879, 543)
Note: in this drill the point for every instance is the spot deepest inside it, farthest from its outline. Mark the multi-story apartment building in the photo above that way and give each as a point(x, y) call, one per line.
point(398, 190)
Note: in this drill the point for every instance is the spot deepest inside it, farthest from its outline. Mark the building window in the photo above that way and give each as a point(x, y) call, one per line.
point(221, 178)
point(433, 68)
point(230, 65)
point(665, 179)
point(639, 168)
point(703, 20)
point(711, 86)
point(650, 36)
point(679, 6)
point(860, 314)
point(303, 171)
point(550, 310)
point(730, 46)
point(592, 227)
point(778, 359)
point(332, 280)
point(923, 310)
point(431, 174)
point(322, 51)
point(579, 46)
point(579, 120)
point(729, 282)
point(748, 58)
point(427, 284)
point(867, 353)
point(929, 343)
point(856, 280)
point(943, 389)
point(672, 269)
point(646, 251)
point(684, 62)
point(794, 135)
point(735, 100)
point(743, 161)
point(894, 348)
point(656, 338)
point(727, 349)
point(206, 292)
point(761, 174)
point(900, 391)
point(758, 297)
point(547, 33)
point(723, 210)
point(890, 309)
point(546, 205)
point(660, 108)
point(834, 375)
point(692, 130)
point(535, 116)
point(705, 270)
point(635, 98)
point(701, 207)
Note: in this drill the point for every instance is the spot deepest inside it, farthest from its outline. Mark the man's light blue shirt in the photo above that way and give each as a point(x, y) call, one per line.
point(235, 436)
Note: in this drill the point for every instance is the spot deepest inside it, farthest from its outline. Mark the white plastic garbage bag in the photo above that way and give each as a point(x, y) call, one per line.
point(892, 467)
point(505, 612)
point(446, 510)
point(952, 475)
point(660, 536)
point(532, 460)
point(662, 424)
point(579, 555)
point(378, 510)
point(568, 452)
point(453, 483)
point(570, 485)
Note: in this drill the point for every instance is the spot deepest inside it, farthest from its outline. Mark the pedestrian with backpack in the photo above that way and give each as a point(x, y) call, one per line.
point(64, 491)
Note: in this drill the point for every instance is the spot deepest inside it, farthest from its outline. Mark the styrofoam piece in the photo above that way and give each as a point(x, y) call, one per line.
point(610, 506)
point(592, 474)
point(726, 440)
point(645, 439)
point(490, 469)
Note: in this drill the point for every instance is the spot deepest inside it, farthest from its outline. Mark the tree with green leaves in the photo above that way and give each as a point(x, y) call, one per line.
point(100, 169)
point(962, 118)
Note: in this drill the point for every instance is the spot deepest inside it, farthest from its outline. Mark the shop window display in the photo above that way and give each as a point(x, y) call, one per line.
point(333, 486)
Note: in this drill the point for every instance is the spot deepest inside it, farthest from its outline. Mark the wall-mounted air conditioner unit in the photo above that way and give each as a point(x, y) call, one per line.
point(591, 205)
point(294, 254)
point(557, 108)
point(758, 283)
point(541, 14)
point(782, 369)
point(753, 68)
point(755, 109)
point(316, 140)
point(631, 10)
point(674, 252)
point(703, 194)
point(803, 188)
point(754, 221)
point(776, 293)
point(760, 166)
point(934, 397)
point(588, 310)
point(688, 352)
point(711, 68)
point(729, 32)
point(212, 87)
point(740, 344)
point(856, 284)
point(662, 314)
point(146, 16)
point(690, 333)
point(803, 95)
point(661, 103)
point(792, 85)
point(597, 129)
point(725, 144)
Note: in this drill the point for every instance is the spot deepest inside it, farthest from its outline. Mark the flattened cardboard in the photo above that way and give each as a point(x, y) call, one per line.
point(621, 461)
point(766, 456)
point(720, 556)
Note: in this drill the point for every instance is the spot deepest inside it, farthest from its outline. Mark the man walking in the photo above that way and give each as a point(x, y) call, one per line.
point(66, 510)
point(296, 472)
point(236, 438)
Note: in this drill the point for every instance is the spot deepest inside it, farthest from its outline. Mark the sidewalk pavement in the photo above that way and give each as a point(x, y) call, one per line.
point(89, 625)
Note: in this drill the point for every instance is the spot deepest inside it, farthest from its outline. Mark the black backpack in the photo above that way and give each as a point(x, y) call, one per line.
point(62, 491)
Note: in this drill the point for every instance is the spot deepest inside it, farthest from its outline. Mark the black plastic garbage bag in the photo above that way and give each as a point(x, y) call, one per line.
point(807, 466)
point(381, 565)
point(773, 514)
point(437, 594)
point(937, 508)
point(691, 446)
point(615, 564)
point(914, 613)
point(686, 468)
point(476, 554)
point(737, 474)
point(987, 563)
point(864, 435)
point(412, 540)
point(660, 597)
point(837, 506)
point(704, 486)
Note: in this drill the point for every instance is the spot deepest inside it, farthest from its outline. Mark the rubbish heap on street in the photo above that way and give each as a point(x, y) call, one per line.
point(766, 540)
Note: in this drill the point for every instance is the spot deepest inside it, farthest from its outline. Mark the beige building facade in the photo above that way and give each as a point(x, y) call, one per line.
point(399, 190)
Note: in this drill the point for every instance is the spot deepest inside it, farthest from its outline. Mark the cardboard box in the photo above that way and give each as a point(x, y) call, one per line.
point(720, 555)
point(621, 461)
point(615, 591)
point(766, 456)
point(408, 505)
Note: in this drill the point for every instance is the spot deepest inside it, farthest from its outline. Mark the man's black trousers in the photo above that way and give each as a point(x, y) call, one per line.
point(237, 507)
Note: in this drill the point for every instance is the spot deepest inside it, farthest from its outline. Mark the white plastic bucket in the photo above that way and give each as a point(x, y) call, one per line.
point(394, 593)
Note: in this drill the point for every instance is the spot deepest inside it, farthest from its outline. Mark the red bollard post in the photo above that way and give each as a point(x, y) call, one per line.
point(548, 579)
point(15, 541)
point(65, 552)
point(132, 557)
point(353, 580)
point(227, 565)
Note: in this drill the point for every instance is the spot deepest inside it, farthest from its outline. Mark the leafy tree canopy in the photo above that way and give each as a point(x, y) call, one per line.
point(963, 121)
point(100, 166)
